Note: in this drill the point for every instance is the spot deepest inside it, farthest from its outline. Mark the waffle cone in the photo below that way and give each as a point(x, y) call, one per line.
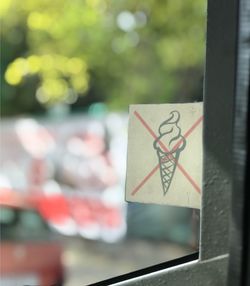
point(168, 163)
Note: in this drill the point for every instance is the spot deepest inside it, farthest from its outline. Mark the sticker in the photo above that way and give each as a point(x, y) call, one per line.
point(164, 163)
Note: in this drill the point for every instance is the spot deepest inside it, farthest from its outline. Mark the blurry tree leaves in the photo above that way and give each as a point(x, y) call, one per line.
point(119, 52)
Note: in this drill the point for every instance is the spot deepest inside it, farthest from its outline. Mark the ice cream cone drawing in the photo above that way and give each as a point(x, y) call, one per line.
point(168, 146)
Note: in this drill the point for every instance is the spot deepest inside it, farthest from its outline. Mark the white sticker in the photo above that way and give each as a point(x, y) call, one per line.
point(164, 163)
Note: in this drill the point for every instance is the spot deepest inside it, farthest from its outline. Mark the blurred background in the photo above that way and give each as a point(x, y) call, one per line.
point(69, 70)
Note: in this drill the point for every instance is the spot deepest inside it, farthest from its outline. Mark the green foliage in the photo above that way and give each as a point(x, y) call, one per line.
point(119, 52)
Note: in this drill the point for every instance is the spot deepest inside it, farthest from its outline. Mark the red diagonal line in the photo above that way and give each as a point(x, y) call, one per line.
point(145, 124)
point(190, 130)
point(164, 147)
point(145, 179)
point(185, 173)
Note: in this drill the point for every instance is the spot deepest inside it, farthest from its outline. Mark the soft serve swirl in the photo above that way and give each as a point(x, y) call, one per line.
point(170, 139)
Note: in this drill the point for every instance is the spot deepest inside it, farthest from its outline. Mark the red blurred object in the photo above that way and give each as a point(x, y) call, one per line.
point(54, 208)
point(30, 252)
point(89, 211)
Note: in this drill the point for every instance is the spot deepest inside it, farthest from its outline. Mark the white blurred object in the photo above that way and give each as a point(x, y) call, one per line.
point(68, 227)
point(51, 187)
point(88, 145)
point(14, 175)
point(91, 231)
point(117, 127)
point(126, 21)
point(35, 139)
point(4, 182)
point(96, 127)
point(113, 196)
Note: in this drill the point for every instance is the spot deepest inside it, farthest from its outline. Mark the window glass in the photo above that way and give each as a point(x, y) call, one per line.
point(70, 70)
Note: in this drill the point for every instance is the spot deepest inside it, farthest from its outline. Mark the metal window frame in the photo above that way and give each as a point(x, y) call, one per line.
point(223, 211)
point(239, 252)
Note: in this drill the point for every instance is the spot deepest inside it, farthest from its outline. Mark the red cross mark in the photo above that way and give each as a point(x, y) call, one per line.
point(179, 166)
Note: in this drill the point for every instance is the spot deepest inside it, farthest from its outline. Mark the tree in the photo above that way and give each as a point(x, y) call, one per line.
point(118, 52)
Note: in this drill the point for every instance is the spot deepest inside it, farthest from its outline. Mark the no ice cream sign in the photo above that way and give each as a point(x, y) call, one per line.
point(164, 163)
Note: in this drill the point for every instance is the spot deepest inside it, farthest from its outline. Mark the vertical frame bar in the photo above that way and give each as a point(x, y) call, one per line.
point(219, 90)
point(239, 262)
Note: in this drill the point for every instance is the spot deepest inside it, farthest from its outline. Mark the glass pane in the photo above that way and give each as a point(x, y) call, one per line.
point(70, 70)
